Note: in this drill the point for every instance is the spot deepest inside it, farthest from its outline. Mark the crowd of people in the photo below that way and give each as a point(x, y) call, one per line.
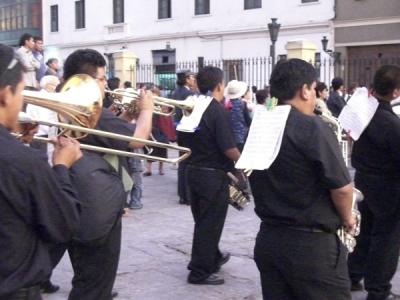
point(62, 199)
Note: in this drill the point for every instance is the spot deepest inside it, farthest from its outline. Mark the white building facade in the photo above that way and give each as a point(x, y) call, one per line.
point(188, 29)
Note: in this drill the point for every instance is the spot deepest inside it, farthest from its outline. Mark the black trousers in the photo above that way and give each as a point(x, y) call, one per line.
point(183, 191)
point(375, 257)
point(209, 204)
point(296, 265)
point(95, 266)
point(32, 293)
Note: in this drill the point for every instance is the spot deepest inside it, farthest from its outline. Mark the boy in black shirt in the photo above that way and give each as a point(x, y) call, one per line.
point(213, 153)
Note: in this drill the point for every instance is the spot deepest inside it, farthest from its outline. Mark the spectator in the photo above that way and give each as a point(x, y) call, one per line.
point(336, 101)
point(261, 97)
point(52, 67)
point(321, 91)
point(31, 64)
point(38, 54)
point(127, 84)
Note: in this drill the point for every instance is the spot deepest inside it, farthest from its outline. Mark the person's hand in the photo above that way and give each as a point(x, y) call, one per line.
point(27, 131)
point(66, 151)
point(146, 101)
point(350, 224)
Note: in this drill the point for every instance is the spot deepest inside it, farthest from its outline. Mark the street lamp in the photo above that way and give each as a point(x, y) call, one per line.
point(273, 29)
point(334, 55)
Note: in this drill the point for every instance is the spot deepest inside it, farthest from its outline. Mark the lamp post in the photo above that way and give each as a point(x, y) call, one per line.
point(273, 29)
point(335, 55)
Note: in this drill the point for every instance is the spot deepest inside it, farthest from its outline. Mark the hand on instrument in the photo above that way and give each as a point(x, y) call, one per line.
point(350, 224)
point(27, 131)
point(66, 151)
point(146, 101)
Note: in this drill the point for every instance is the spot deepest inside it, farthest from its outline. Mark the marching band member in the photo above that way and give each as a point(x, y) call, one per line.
point(213, 153)
point(186, 86)
point(302, 199)
point(377, 162)
point(38, 204)
point(95, 249)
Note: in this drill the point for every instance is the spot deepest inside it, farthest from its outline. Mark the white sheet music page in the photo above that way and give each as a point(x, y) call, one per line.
point(358, 112)
point(191, 122)
point(265, 138)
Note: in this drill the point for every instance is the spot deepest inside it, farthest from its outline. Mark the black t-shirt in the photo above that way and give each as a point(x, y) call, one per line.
point(376, 152)
point(376, 158)
point(99, 185)
point(295, 190)
point(211, 139)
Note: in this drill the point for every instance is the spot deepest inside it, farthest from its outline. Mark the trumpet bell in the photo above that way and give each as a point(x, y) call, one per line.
point(79, 103)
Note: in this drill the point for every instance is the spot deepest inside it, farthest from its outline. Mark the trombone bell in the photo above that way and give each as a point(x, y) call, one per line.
point(79, 102)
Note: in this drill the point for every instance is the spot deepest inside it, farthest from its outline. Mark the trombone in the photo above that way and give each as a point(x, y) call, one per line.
point(120, 96)
point(79, 117)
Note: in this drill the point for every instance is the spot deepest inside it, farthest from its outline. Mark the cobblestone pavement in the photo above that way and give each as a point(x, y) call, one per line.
point(156, 249)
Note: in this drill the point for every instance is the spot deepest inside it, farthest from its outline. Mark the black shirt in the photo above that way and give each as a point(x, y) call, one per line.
point(295, 190)
point(37, 206)
point(99, 185)
point(376, 152)
point(211, 139)
point(335, 103)
point(376, 159)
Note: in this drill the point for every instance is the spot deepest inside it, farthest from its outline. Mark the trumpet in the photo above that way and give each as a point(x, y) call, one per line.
point(79, 117)
point(120, 97)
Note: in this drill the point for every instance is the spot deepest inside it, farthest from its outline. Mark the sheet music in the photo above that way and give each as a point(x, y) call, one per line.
point(191, 122)
point(265, 138)
point(358, 112)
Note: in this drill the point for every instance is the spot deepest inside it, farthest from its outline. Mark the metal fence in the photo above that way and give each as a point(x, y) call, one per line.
point(256, 71)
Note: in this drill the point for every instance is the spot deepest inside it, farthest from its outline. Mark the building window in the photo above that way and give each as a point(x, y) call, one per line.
point(54, 18)
point(118, 11)
point(202, 7)
point(164, 9)
point(308, 1)
point(80, 14)
point(251, 4)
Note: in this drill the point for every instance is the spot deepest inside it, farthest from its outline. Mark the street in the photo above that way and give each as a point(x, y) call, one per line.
point(156, 247)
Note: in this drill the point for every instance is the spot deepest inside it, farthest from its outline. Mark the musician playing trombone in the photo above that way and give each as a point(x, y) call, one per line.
point(38, 205)
point(95, 250)
point(302, 199)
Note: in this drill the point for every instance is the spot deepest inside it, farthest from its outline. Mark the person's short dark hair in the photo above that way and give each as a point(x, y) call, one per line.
point(127, 84)
point(25, 37)
point(386, 80)
point(50, 61)
point(261, 96)
point(9, 74)
point(289, 76)
point(254, 89)
point(319, 88)
point(37, 38)
point(83, 61)
point(337, 82)
point(113, 83)
point(208, 79)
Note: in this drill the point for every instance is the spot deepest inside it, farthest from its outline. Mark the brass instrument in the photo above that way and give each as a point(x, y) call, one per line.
point(239, 197)
point(79, 117)
point(348, 239)
point(127, 100)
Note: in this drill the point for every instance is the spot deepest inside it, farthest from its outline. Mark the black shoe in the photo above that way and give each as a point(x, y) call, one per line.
point(393, 297)
point(48, 288)
point(114, 294)
point(213, 279)
point(356, 287)
point(223, 260)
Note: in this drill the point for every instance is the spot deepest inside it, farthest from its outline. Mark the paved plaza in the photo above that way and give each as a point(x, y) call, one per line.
point(156, 249)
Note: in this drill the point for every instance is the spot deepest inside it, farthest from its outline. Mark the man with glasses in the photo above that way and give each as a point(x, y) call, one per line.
point(95, 249)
